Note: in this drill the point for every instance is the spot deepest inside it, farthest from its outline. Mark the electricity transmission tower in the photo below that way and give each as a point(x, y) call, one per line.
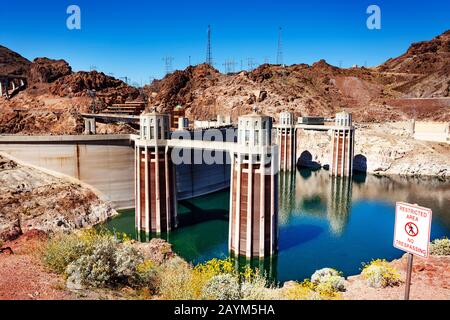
point(168, 64)
point(125, 79)
point(229, 66)
point(251, 64)
point(280, 48)
point(209, 59)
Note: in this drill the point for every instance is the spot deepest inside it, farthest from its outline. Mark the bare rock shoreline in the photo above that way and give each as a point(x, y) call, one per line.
point(33, 199)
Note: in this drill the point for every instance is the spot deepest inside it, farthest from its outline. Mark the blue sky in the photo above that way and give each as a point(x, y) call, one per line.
point(130, 38)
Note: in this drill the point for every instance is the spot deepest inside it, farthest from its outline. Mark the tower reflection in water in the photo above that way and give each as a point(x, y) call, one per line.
point(312, 193)
point(339, 203)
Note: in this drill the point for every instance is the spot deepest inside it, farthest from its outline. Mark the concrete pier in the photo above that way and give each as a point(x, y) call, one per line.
point(287, 140)
point(253, 227)
point(89, 126)
point(343, 145)
point(155, 196)
point(11, 84)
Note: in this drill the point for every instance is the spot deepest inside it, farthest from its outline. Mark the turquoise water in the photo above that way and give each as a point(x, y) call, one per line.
point(324, 222)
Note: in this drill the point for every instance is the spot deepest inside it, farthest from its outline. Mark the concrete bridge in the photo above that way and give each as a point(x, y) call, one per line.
point(11, 84)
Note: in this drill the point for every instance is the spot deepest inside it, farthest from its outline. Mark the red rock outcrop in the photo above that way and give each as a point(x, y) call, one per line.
point(108, 88)
point(48, 70)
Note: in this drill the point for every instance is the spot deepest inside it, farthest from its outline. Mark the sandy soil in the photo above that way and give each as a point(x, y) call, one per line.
point(430, 281)
point(22, 275)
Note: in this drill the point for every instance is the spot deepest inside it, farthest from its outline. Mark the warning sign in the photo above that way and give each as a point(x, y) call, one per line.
point(412, 228)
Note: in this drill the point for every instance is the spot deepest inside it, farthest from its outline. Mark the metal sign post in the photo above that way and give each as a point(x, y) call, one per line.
point(412, 234)
point(408, 275)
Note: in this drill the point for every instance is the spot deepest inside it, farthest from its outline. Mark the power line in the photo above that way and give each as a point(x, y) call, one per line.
point(251, 64)
point(168, 64)
point(229, 65)
point(209, 59)
point(280, 48)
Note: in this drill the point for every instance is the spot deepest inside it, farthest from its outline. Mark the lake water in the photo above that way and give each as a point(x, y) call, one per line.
point(323, 221)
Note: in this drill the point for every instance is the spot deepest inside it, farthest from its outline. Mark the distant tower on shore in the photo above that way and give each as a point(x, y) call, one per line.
point(280, 48)
point(209, 59)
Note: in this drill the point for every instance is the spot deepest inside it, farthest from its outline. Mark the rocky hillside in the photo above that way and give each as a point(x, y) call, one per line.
point(32, 199)
point(55, 96)
point(44, 70)
point(12, 62)
point(372, 94)
point(428, 65)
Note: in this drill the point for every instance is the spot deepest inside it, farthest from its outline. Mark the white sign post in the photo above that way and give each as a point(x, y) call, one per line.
point(412, 234)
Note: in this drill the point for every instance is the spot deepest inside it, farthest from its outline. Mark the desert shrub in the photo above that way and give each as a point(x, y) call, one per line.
point(222, 287)
point(257, 288)
point(95, 269)
point(147, 276)
point(300, 291)
point(127, 260)
point(328, 282)
point(175, 280)
point(317, 276)
point(330, 286)
point(203, 272)
point(215, 267)
point(440, 247)
point(379, 274)
point(109, 263)
point(61, 250)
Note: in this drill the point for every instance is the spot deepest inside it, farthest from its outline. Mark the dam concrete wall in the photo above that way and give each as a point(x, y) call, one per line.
point(106, 165)
point(194, 180)
point(106, 162)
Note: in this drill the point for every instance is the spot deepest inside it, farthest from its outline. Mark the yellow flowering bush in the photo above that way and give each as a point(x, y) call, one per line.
point(203, 272)
point(379, 274)
point(176, 280)
point(299, 291)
